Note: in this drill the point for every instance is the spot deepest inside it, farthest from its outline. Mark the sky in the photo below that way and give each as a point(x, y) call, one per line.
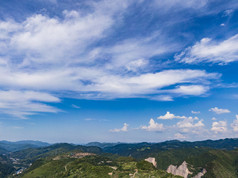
point(79, 71)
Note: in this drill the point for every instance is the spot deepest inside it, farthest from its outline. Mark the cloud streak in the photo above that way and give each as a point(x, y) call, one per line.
point(219, 110)
point(25, 103)
point(208, 50)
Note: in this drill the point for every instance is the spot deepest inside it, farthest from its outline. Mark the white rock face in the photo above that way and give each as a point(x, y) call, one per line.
point(200, 174)
point(151, 160)
point(182, 170)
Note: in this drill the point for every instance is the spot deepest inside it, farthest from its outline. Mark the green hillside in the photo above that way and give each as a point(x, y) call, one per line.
point(123, 160)
point(6, 167)
point(32, 154)
point(93, 166)
point(218, 163)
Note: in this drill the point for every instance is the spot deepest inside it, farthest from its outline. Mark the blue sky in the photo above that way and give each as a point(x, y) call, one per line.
point(129, 71)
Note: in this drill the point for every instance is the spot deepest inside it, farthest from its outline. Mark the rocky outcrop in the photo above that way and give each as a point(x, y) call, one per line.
point(74, 155)
point(182, 170)
point(151, 160)
point(200, 174)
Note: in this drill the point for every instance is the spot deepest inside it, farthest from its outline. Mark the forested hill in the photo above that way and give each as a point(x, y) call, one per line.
point(7, 146)
point(137, 148)
point(218, 157)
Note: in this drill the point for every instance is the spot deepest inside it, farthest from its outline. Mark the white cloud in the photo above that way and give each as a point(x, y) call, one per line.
point(179, 136)
point(220, 126)
point(219, 111)
point(133, 53)
point(150, 82)
point(123, 129)
point(208, 50)
point(25, 103)
point(62, 55)
point(195, 112)
point(189, 123)
point(153, 126)
point(194, 90)
point(169, 116)
point(162, 98)
point(234, 124)
point(136, 64)
point(45, 43)
point(51, 40)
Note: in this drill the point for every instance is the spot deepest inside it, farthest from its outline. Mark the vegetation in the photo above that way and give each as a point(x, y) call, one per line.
point(218, 163)
point(219, 158)
point(30, 155)
point(20, 145)
point(143, 150)
point(6, 167)
point(93, 166)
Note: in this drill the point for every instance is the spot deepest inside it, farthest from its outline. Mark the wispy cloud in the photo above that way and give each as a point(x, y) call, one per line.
point(219, 110)
point(25, 103)
point(194, 90)
point(208, 50)
point(195, 112)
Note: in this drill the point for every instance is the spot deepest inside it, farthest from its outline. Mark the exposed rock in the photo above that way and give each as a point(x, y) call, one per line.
point(74, 155)
point(200, 174)
point(182, 170)
point(151, 160)
point(80, 155)
point(113, 167)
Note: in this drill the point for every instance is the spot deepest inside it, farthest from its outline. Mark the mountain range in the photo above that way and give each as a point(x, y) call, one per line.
point(215, 158)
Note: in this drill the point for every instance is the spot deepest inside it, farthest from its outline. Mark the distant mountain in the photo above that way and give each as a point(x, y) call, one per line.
point(215, 158)
point(20, 145)
point(31, 154)
point(102, 145)
point(141, 150)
